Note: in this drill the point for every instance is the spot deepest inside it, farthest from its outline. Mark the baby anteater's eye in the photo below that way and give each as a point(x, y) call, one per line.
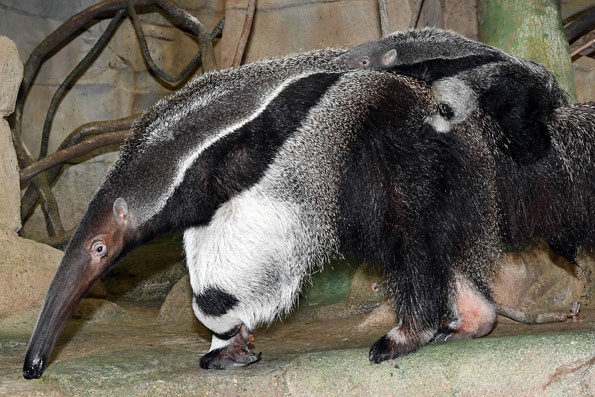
point(365, 61)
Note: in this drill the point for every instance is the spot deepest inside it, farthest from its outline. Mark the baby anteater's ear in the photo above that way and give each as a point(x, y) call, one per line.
point(389, 58)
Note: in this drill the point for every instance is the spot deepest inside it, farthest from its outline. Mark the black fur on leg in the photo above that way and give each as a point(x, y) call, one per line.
point(420, 226)
point(386, 348)
point(564, 246)
point(382, 350)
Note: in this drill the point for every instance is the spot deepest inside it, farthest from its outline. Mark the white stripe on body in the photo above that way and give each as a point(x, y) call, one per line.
point(185, 163)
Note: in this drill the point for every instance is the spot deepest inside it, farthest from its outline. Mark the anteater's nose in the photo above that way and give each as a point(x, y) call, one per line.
point(33, 367)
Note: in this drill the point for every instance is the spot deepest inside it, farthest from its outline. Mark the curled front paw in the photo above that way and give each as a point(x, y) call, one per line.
point(235, 354)
point(224, 358)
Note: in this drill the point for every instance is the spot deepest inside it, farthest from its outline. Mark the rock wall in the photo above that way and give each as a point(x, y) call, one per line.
point(584, 76)
point(11, 73)
point(26, 267)
point(282, 27)
point(26, 270)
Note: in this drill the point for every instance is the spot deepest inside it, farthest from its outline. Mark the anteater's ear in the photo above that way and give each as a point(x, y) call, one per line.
point(389, 58)
point(121, 210)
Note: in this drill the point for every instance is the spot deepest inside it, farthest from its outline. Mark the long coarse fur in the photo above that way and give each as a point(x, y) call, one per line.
point(519, 94)
point(554, 198)
point(276, 167)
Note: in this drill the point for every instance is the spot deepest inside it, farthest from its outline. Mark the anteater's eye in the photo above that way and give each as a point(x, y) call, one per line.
point(365, 61)
point(99, 249)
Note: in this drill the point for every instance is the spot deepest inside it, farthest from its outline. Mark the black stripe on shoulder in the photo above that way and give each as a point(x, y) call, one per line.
point(433, 69)
point(240, 159)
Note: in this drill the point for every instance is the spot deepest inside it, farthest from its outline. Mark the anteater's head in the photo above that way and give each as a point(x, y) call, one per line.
point(104, 235)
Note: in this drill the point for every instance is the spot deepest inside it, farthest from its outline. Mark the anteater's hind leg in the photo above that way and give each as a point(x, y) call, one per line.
point(400, 341)
point(472, 314)
point(419, 287)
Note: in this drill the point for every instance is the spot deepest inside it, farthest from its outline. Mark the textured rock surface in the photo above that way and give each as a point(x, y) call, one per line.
point(584, 76)
point(528, 365)
point(26, 270)
point(366, 284)
point(178, 304)
point(134, 355)
point(11, 73)
point(10, 194)
point(384, 316)
point(329, 285)
point(98, 291)
point(98, 309)
point(538, 280)
point(148, 272)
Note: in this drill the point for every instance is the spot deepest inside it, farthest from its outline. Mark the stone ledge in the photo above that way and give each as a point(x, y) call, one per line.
point(547, 364)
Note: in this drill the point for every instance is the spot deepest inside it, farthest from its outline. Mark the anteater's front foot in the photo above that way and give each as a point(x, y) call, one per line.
point(236, 354)
point(223, 358)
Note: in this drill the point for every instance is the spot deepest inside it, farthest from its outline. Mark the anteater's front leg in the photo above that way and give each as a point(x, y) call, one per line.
point(245, 270)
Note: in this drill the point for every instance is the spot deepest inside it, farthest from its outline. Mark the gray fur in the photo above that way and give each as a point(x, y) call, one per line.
point(167, 133)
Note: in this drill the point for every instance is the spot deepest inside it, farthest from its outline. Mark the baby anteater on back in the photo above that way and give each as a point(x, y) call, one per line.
point(519, 94)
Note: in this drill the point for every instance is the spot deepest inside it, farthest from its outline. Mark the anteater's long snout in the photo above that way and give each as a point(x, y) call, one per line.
point(340, 62)
point(66, 290)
